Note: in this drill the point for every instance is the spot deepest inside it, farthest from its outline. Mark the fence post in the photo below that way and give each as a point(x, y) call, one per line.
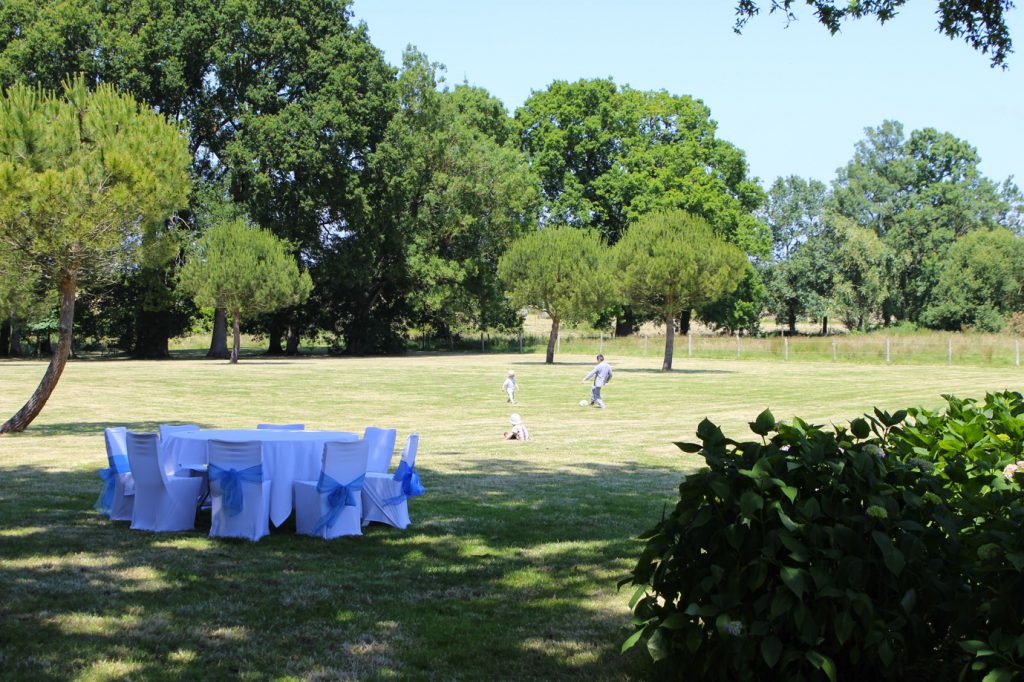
point(737, 344)
point(949, 351)
point(689, 344)
point(887, 350)
point(785, 347)
point(833, 349)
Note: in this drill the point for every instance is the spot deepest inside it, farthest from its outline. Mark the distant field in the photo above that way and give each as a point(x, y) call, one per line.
point(509, 570)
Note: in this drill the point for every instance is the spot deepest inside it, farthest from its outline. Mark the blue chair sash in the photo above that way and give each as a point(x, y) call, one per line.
point(106, 499)
point(230, 481)
point(120, 463)
point(411, 486)
point(339, 496)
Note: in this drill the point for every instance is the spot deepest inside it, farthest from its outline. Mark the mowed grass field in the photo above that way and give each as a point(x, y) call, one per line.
point(509, 568)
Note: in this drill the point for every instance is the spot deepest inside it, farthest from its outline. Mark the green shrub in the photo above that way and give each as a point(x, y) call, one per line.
point(851, 552)
point(975, 447)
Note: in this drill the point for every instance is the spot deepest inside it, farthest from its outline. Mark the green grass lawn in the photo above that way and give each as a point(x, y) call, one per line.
point(508, 570)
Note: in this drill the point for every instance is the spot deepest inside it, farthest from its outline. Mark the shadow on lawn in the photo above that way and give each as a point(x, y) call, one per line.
point(506, 572)
point(87, 428)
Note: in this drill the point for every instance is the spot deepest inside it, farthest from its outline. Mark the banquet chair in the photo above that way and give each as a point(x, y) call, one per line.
point(382, 446)
point(162, 502)
point(239, 491)
point(118, 496)
point(282, 427)
point(386, 496)
point(333, 506)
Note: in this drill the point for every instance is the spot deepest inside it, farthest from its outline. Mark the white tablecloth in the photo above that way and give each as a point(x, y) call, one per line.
point(288, 456)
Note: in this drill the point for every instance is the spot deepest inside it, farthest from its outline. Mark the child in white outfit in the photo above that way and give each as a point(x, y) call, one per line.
point(518, 430)
point(510, 387)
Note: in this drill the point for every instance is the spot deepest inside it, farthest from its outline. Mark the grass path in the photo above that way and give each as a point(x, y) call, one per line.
point(508, 571)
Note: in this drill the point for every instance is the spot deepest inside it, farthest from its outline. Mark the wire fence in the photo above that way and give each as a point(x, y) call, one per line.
point(925, 348)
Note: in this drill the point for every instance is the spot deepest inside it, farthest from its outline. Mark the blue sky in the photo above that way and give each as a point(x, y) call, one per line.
point(794, 98)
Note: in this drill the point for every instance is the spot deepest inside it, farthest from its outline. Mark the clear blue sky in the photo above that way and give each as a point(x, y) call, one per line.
point(794, 98)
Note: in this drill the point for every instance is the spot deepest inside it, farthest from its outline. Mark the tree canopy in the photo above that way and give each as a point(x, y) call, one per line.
point(245, 270)
point(670, 262)
point(84, 176)
point(559, 270)
point(982, 25)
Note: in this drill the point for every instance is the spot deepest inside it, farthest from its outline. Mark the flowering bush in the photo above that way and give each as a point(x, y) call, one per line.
point(861, 552)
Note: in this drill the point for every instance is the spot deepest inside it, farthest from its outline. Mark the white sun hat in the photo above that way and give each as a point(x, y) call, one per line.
point(511, 372)
point(515, 418)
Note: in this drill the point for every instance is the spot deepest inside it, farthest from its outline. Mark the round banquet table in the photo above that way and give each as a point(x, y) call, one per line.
point(288, 456)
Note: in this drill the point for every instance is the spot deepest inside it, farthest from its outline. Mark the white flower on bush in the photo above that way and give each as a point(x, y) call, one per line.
point(872, 449)
point(1012, 469)
point(734, 628)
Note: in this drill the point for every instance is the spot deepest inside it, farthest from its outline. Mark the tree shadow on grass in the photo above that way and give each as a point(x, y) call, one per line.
point(627, 370)
point(87, 428)
point(506, 565)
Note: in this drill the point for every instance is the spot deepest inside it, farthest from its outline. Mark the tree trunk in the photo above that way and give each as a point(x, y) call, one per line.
point(236, 333)
point(824, 325)
point(684, 322)
point(791, 319)
point(31, 409)
point(151, 340)
point(625, 324)
point(552, 338)
point(219, 339)
point(666, 364)
point(274, 334)
point(291, 341)
point(15, 339)
point(5, 338)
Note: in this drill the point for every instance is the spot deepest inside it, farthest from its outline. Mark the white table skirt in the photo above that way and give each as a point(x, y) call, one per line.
point(288, 456)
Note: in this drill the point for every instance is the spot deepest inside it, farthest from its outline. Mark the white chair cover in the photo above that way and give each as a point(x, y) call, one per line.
point(162, 502)
point(124, 483)
point(333, 506)
point(244, 512)
point(382, 447)
point(282, 427)
point(383, 497)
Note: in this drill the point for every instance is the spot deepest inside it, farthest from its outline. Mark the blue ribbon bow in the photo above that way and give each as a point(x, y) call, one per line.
point(106, 499)
point(231, 484)
point(338, 497)
point(411, 486)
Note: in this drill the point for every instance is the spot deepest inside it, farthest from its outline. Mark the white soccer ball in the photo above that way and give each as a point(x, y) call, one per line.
point(584, 403)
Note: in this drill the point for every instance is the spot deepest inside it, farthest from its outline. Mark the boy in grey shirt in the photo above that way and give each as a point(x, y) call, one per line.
point(602, 374)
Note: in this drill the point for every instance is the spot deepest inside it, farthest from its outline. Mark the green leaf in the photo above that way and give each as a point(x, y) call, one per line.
point(790, 492)
point(823, 663)
point(750, 502)
point(640, 592)
point(632, 640)
point(843, 624)
point(909, 600)
point(892, 557)
point(658, 645)
point(764, 423)
point(793, 578)
point(771, 650)
point(676, 621)
point(1000, 675)
point(688, 447)
point(859, 428)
